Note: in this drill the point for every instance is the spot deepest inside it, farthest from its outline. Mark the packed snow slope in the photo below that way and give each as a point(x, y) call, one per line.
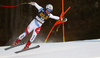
point(74, 49)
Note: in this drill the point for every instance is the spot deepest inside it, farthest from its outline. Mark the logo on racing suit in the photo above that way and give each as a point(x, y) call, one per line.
point(43, 15)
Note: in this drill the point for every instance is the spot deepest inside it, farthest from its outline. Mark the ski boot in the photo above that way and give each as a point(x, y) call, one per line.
point(16, 42)
point(27, 45)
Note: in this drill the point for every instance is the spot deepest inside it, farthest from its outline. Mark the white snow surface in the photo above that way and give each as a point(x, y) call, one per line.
point(74, 49)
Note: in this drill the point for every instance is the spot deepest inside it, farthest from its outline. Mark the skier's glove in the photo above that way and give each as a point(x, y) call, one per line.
point(64, 19)
point(32, 3)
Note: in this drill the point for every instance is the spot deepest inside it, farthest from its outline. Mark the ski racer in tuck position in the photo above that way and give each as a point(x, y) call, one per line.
point(36, 23)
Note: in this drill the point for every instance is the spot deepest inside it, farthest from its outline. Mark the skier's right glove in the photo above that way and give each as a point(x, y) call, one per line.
point(32, 3)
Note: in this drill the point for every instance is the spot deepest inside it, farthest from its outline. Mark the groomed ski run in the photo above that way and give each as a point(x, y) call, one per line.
point(74, 49)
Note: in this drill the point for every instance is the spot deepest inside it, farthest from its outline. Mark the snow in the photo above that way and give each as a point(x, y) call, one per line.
point(74, 49)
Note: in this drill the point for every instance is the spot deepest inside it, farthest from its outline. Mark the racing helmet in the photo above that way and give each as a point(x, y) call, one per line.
point(49, 7)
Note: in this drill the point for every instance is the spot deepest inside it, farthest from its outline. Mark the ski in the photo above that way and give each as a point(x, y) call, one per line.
point(27, 49)
point(14, 46)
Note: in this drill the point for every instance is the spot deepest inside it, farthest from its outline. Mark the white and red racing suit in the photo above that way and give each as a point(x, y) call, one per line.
point(37, 22)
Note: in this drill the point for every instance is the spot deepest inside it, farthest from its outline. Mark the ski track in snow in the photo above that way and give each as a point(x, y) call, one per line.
point(74, 49)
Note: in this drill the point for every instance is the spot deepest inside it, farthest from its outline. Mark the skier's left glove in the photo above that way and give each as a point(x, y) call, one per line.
point(32, 3)
point(64, 19)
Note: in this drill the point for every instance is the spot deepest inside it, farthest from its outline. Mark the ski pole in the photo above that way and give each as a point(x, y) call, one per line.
point(15, 5)
point(58, 27)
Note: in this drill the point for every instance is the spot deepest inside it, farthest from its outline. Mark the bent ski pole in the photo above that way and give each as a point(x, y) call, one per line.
point(15, 5)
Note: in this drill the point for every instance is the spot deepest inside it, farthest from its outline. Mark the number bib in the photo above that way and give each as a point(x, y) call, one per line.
point(43, 15)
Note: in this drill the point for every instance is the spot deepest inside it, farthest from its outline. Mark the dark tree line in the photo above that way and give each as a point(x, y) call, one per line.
point(83, 20)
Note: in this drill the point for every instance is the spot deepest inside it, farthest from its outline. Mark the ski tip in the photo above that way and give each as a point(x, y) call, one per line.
point(38, 45)
point(5, 49)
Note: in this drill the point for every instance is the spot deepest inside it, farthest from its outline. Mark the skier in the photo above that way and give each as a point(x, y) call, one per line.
point(36, 23)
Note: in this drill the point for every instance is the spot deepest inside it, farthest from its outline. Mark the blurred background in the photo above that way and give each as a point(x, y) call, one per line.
point(83, 20)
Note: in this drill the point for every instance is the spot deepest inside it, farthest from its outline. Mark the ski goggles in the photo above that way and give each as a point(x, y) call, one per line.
point(49, 10)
